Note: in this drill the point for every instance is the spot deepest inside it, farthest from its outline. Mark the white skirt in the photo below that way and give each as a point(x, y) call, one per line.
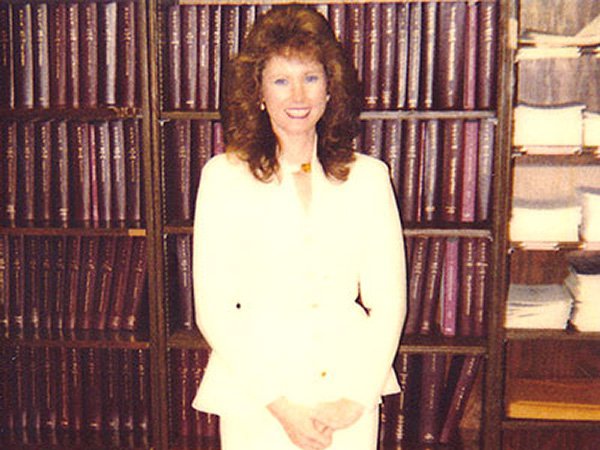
point(262, 431)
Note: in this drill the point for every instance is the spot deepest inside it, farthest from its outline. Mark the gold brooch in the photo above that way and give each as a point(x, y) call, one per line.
point(305, 167)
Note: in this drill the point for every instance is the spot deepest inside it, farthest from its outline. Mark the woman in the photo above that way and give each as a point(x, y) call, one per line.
point(299, 268)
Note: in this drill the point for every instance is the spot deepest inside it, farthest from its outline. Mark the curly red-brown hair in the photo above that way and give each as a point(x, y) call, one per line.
point(299, 31)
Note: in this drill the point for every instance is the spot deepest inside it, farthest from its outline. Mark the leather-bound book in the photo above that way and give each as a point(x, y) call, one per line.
point(337, 20)
point(428, 57)
point(79, 161)
point(111, 390)
point(450, 287)
point(481, 277)
point(4, 283)
point(215, 57)
point(45, 180)
point(106, 264)
point(178, 168)
point(8, 167)
point(75, 391)
point(432, 386)
point(468, 171)
point(118, 172)
point(120, 280)
point(127, 398)
point(174, 56)
point(247, 20)
point(32, 283)
point(372, 43)
point(204, 94)
point(189, 56)
point(41, 72)
point(17, 281)
point(62, 382)
point(417, 270)
point(89, 273)
point(410, 170)
point(136, 285)
point(141, 393)
point(49, 391)
point(19, 389)
point(73, 271)
point(484, 169)
point(126, 52)
point(469, 96)
point(486, 55)
point(415, 39)
point(92, 376)
point(451, 169)
point(198, 360)
point(88, 53)
point(33, 400)
point(93, 155)
point(59, 294)
point(7, 82)
point(57, 38)
point(401, 65)
point(392, 151)
point(387, 60)
point(432, 284)
point(26, 170)
point(355, 45)
point(60, 162)
point(133, 173)
point(23, 55)
point(107, 52)
point(467, 286)
point(184, 295)
point(46, 280)
point(201, 153)
point(103, 172)
point(72, 55)
point(230, 32)
point(450, 55)
point(432, 150)
point(373, 136)
point(181, 402)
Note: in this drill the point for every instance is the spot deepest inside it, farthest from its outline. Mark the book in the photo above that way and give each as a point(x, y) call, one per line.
point(73, 270)
point(469, 88)
point(43, 150)
point(203, 101)
point(64, 404)
point(89, 272)
point(94, 212)
point(118, 172)
point(88, 53)
point(93, 399)
point(19, 386)
point(7, 82)
point(41, 72)
point(215, 57)
point(355, 45)
point(410, 170)
point(486, 55)
point(5, 269)
point(178, 168)
point(49, 390)
point(75, 392)
point(127, 399)
point(401, 65)
point(428, 60)
point(247, 20)
point(120, 283)
point(198, 360)
point(26, 157)
point(480, 288)
point(485, 152)
point(180, 366)
point(103, 172)
point(72, 55)
point(79, 162)
point(106, 264)
point(418, 266)
point(450, 283)
point(387, 59)
point(23, 55)
point(141, 391)
point(46, 280)
point(392, 149)
point(189, 56)
point(432, 385)
point(451, 173)
point(372, 48)
point(337, 20)
point(60, 282)
point(449, 71)
point(107, 52)
point(112, 391)
point(32, 283)
point(373, 135)
point(126, 53)
point(431, 167)
point(136, 285)
point(17, 282)
point(415, 38)
point(32, 397)
point(201, 152)
point(230, 32)
point(8, 160)
point(468, 171)
point(61, 169)
point(432, 284)
point(57, 29)
point(174, 56)
point(467, 250)
point(133, 173)
point(184, 295)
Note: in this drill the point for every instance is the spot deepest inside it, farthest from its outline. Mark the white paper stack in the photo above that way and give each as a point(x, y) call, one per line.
point(583, 282)
point(591, 130)
point(590, 218)
point(545, 225)
point(538, 306)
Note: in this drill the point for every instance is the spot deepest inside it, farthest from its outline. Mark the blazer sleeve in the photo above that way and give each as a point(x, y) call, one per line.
point(382, 278)
point(217, 313)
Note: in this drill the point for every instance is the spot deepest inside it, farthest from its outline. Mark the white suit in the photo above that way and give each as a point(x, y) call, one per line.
point(275, 286)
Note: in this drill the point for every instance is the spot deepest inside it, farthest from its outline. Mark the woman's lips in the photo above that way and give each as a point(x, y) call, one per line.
point(298, 113)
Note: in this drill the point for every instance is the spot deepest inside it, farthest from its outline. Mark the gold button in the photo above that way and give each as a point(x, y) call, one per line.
point(323, 374)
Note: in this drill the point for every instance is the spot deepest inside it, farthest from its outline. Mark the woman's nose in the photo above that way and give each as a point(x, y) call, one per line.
point(298, 93)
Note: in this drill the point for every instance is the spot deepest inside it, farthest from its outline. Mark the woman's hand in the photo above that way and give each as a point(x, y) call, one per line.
point(338, 414)
point(299, 424)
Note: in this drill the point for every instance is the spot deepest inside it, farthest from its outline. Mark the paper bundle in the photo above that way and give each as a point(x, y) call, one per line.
point(538, 306)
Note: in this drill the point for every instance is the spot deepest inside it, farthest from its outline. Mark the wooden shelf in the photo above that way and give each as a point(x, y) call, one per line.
point(95, 114)
point(81, 231)
point(78, 339)
point(551, 425)
point(514, 334)
point(585, 158)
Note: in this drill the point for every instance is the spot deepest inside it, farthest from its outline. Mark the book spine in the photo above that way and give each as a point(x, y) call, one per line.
point(480, 286)
point(189, 56)
point(373, 135)
point(431, 169)
point(402, 369)
point(27, 175)
point(111, 391)
point(9, 172)
point(202, 147)
point(107, 52)
point(421, 143)
point(449, 74)
point(89, 270)
point(127, 399)
point(387, 62)
point(41, 72)
point(418, 261)
point(181, 367)
point(23, 55)
point(467, 285)
point(75, 390)
point(469, 98)
point(43, 144)
point(247, 20)
point(94, 206)
point(133, 173)
point(60, 282)
point(80, 169)
point(46, 290)
point(450, 288)
point(88, 48)
point(415, 37)
point(119, 188)
point(230, 32)
point(484, 168)
point(7, 82)
point(434, 366)
point(486, 59)
point(120, 280)
point(93, 389)
point(402, 45)
point(392, 152)
point(204, 24)
point(215, 57)
point(49, 390)
point(126, 51)
point(33, 394)
point(106, 262)
point(183, 247)
point(32, 283)
point(355, 36)
point(137, 284)
point(174, 56)
point(410, 171)
point(468, 171)
point(428, 54)
point(103, 174)
point(337, 19)
point(72, 54)
point(5, 268)
point(432, 284)
point(218, 143)
point(60, 161)
point(451, 164)
point(142, 419)
point(64, 404)
point(17, 281)
point(19, 394)
point(179, 132)
point(58, 53)
point(73, 293)
point(197, 364)
point(372, 41)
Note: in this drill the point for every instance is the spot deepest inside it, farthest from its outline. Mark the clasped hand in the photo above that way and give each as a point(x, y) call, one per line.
point(313, 428)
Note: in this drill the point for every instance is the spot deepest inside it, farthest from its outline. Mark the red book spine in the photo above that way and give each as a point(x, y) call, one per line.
point(415, 38)
point(27, 175)
point(431, 168)
point(88, 48)
point(467, 285)
point(126, 397)
point(402, 38)
point(180, 164)
point(174, 56)
point(392, 151)
point(189, 56)
point(337, 20)
point(60, 161)
point(451, 164)
point(247, 19)
point(183, 246)
point(119, 188)
point(58, 53)
point(469, 100)
point(72, 54)
point(94, 213)
point(133, 173)
point(43, 144)
point(486, 62)
point(355, 36)
point(373, 136)
point(484, 169)
point(32, 283)
point(93, 389)
point(41, 72)
point(106, 262)
point(418, 266)
point(107, 52)
point(421, 142)
point(202, 147)
point(181, 389)
point(62, 382)
point(49, 390)
point(372, 38)
point(19, 394)
point(111, 391)
point(6, 391)
point(103, 173)
point(33, 395)
point(449, 301)
point(4, 284)
point(46, 291)
point(428, 54)
point(141, 380)
point(432, 284)
point(80, 172)
point(204, 24)
point(230, 33)
point(89, 270)
point(23, 55)
point(75, 390)
point(126, 51)
point(468, 171)
point(218, 143)
point(410, 171)
point(17, 281)
point(451, 51)
point(215, 57)
point(73, 271)
point(120, 280)
point(9, 162)
point(197, 364)
point(479, 295)
point(387, 61)
point(434, 367)
point(136, 284)
point(60, 282)
point(7, 82)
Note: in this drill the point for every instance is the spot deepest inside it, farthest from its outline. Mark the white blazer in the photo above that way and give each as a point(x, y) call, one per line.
point(276, 286)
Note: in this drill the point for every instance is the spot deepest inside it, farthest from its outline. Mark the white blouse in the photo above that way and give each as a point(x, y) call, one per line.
point(275, 286)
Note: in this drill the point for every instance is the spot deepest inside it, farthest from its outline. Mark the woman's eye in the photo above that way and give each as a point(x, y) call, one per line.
point(312, 78)
point(280, 81)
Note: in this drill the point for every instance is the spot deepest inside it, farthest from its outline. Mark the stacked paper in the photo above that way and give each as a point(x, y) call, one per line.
point(544, 224)
point(591, 130)
point(590, 217)
point(538, 306)
point(583, 282)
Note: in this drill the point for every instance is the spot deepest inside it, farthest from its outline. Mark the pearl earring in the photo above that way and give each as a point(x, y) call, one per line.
point(262, 106)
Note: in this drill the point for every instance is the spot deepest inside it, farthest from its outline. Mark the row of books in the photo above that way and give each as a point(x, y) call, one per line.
point(189, 428)
point(447, 279)
point(413, 55)
point(431, 409)
point(72, 283)
point(441, 168)
point(48, 392)
point(68, 54)
point(70, 172)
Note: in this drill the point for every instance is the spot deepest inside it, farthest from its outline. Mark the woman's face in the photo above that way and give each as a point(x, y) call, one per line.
point(294, 92)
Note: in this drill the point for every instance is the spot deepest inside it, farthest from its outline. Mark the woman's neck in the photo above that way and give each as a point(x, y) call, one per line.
point(297, 149)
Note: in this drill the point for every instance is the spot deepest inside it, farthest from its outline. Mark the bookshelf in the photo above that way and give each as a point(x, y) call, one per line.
point(573, 358)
